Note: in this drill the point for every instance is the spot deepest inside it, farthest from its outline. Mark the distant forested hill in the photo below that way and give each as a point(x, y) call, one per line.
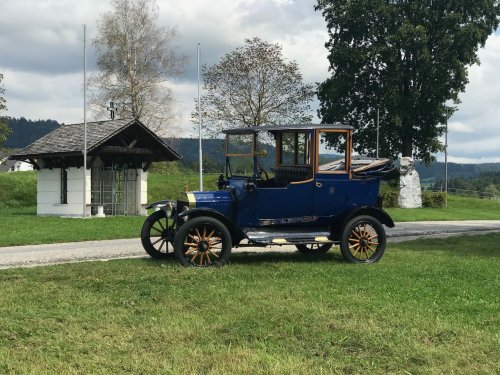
point(25, 132)
point(436, 171)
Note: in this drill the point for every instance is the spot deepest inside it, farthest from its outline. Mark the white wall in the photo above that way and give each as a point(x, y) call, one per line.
point(21, 166)
point(49, 192)
point(142, 192)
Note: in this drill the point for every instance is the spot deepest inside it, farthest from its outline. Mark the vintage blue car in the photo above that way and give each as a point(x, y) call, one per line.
point(283, 185)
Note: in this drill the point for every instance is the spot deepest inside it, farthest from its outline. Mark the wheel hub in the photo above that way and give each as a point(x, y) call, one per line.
point(203, 246)
point(168, 234)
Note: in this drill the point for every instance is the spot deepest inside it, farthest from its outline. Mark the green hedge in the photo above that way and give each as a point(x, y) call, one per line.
point(389, 198)
point(434, 199)
point(429, 199)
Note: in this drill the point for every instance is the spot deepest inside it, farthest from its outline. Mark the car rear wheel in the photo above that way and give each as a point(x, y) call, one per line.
point(363, 240)
point(314, 248)
point(157, 235)
point(203, 242)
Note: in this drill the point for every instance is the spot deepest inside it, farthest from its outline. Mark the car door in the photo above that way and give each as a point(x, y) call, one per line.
point(290, 200)
point(292, 204)
point(332, 185)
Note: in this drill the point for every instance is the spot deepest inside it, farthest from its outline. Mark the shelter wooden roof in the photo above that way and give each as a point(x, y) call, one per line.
point(121, 136)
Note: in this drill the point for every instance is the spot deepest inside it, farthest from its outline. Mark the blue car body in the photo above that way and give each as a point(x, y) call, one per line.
point(325, 200)
point(312, 194)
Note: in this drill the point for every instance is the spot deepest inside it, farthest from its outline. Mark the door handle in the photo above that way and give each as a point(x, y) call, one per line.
point(319, 184)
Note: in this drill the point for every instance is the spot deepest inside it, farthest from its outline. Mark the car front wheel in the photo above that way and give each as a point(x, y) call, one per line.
point(202, 242)
point(363, 240)
point(157, 234)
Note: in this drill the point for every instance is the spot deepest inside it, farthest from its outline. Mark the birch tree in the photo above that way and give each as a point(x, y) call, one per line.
point(136, 58)
point(251, 86)
point(4, 127)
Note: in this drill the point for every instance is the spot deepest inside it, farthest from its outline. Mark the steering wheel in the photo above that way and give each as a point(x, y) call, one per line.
point(260, 170)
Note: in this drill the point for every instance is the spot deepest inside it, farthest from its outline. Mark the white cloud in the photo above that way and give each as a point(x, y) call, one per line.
point(459, 127)
point(41, 44)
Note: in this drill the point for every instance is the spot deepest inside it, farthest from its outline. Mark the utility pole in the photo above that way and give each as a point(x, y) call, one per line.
point(378, 129)
point(84, 213)
point(446, 159)
point(199, 125)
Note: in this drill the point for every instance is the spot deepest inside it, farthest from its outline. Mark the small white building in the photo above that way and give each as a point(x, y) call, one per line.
point(119, 153)
point(15, 166)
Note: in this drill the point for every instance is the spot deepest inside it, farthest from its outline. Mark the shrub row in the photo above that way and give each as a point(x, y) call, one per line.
point(429, 199)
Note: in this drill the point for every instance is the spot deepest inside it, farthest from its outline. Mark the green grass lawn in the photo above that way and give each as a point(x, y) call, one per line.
point(19, 224)
point(459, 208)
point(428, 307)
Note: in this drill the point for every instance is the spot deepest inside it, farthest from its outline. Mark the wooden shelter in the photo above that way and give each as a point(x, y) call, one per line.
point(119, 153)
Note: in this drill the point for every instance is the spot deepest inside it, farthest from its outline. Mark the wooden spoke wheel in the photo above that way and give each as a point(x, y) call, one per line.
point(363, 240)
point(157, 235)
point(314, 248)
point(203, 242)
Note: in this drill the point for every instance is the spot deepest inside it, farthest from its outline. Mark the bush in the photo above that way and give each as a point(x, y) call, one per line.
point(166, 167)
point(389, 198)
point(434, 199)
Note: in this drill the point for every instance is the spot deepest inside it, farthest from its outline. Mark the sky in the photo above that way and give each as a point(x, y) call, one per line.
point(41, 57)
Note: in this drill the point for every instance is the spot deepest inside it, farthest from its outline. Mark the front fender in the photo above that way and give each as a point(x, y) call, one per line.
point(161, 204)
point(236, 233)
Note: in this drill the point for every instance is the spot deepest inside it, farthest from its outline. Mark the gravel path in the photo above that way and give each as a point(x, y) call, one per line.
point(39, 255)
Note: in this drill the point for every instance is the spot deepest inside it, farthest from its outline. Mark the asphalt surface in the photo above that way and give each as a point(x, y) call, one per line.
point(39, 255)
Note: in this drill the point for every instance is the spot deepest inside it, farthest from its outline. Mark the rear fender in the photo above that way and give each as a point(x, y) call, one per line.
point(339, 222)
point(236, 233)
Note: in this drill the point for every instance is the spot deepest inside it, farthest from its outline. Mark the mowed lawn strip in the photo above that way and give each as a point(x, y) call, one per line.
point(459, 208)
point(429, 306)
point(19, 224)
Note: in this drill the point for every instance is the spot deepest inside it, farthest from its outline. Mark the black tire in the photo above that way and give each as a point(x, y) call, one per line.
point(157, 235)
point(363, 240)
point(314, 248)
point(202, 242)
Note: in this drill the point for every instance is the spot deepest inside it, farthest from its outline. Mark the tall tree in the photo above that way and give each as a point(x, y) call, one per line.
point(135, 60)
point(251, 86)
point(408, 58)
point(4, 127)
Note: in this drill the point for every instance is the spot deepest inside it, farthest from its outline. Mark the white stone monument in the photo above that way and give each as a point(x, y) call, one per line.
point(410, 195)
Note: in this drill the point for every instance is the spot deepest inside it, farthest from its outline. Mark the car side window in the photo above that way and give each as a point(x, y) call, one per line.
point(332, 151)
point(295, 149)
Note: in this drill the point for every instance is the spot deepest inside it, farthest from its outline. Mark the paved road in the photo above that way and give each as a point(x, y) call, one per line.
point(38, 255)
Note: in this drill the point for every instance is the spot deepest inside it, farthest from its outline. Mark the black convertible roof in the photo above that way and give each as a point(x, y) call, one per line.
point(276, 128)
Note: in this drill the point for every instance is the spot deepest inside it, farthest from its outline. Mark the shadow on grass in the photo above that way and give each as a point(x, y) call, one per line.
point(24, 211)
point(277, 257)
point(242, 258)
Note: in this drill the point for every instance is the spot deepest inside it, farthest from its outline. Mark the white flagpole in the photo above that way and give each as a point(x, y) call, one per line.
point(199, 125)
point(84, 122)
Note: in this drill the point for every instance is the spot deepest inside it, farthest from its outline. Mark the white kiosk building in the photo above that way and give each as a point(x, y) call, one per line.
point(119, 153)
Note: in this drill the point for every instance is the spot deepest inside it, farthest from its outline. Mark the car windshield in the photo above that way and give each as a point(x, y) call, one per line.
point(240, 154)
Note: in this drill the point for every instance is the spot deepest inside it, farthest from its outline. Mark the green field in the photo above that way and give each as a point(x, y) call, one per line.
point(428, 307)
point(19, 224)
point(459, 208)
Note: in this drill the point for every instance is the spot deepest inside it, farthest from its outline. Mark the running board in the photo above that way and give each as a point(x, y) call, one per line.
point(280, 237)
